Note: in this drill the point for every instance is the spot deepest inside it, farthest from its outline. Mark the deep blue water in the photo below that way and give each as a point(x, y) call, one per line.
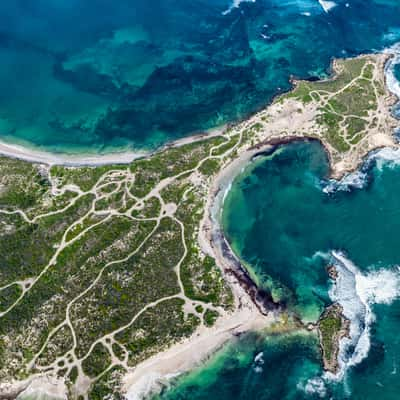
point(95, 75)
point(99, 74)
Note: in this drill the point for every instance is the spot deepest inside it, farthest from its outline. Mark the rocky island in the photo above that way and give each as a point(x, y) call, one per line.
point(92, 256)
point(332, 327)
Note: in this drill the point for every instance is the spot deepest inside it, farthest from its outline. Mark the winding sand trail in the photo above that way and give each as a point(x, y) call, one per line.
point(209, 338)
point(295, 121)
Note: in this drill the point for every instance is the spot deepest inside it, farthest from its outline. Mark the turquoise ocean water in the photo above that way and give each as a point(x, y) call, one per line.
point(287, 221)
point(296, 223)
point(98, 74)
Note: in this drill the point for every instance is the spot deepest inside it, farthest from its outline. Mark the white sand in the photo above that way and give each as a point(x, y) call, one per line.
point(44, 157)
point(45, 388)
point(182, 357)
point(118, 157)
point(154, 373)
point(38, 387)
point(151, 375)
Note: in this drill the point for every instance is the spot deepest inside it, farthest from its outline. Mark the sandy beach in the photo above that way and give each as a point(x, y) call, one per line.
point(157, 371)
point(45, 157)
point(92, 159)
point(295, 121)
point(39, 386)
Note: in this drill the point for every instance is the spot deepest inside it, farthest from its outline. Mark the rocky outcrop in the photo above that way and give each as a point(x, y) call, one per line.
point(332, 327)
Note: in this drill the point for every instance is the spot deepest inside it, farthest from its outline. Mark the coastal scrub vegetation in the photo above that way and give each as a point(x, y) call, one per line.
point(22, 185)
point(346, 103)
point(92, 256)
point(331, 328)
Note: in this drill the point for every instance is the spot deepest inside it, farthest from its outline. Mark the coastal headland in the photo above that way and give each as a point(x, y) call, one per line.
point(77, 241)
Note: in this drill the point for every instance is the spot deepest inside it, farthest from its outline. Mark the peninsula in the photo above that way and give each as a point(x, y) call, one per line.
point(112, 274)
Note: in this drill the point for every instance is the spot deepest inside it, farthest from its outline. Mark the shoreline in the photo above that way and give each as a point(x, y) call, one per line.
point(152, 375)
point(71, 160)
point(214, 243)
point(250, 313)
point(254, 308)
point(37, 156)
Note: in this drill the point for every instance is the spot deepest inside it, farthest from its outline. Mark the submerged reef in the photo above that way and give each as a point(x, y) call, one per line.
point(92, 256)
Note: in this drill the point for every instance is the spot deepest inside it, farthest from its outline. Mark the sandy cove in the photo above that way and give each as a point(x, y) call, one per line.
point(156, 372)
point(285, 124)
point(252, 311)
point(294, 120)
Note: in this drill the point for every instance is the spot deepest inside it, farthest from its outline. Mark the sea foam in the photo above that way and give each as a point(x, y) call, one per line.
point(355, 180)
point(356, 292)
point(315, 386)
point(327, 5)
point(392, 83)
point(383, 157)
point(236, 4)
point(258, 362)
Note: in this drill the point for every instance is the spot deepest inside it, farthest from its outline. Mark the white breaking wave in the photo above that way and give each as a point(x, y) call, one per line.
point(226, 192)
point(327, 5)
point(259, 362)
point(236, 4)
point(314, 386)
point(259, 358)
point(320, 254)
point(392, 83)
point(379, 287)
point(355, 180)
point(356, 292)
point(386, 157)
